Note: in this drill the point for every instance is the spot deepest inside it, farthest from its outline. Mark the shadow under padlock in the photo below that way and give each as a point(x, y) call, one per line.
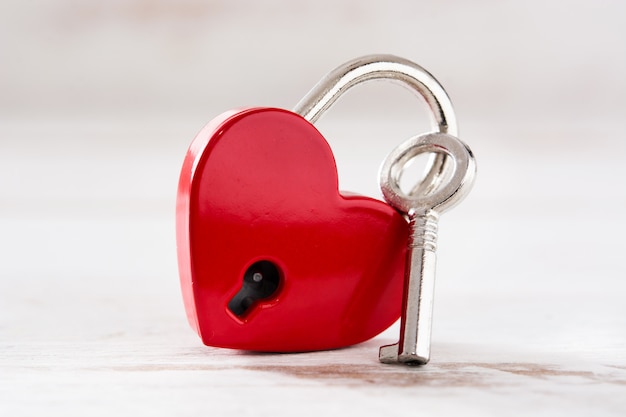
point(304, 267)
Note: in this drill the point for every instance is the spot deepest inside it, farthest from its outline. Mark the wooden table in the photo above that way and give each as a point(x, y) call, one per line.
point(530, 311)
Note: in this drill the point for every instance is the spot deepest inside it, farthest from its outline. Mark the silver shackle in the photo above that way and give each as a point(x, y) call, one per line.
point(393, 68)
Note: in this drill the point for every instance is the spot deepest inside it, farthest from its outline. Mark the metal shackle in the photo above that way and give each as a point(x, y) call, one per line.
point(393, 68)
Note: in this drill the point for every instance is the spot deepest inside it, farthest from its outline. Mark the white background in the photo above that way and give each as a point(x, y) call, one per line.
point(99, 101)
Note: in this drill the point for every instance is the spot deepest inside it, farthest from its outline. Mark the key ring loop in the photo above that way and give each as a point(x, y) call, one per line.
point(444, 197)
point(393, 68)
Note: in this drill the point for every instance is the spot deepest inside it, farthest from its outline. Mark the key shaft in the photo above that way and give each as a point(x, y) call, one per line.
point(419, 284)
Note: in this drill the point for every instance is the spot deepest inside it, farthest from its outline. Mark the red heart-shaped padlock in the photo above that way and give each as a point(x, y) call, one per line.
point(258, 200)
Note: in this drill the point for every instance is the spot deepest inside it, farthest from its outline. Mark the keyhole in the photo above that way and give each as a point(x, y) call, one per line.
point(260, 282)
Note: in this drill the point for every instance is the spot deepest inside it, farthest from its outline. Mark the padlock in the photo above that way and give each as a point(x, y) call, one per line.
point(272, 257)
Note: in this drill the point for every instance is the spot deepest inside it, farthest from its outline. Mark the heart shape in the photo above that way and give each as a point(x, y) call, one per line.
point(261, 185)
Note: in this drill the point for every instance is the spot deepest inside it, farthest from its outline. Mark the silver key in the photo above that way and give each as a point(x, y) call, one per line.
point(423, 207)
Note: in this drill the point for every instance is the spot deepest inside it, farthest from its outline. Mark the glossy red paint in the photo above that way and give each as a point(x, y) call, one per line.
point(261, 184)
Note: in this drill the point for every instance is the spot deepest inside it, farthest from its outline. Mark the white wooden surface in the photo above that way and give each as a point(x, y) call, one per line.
point(99, 101)
point(529, 316)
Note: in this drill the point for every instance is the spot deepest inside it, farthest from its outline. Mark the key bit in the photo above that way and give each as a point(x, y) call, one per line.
point(423, 211)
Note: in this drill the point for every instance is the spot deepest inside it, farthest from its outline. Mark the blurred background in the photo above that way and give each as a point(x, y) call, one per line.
point(99, 101)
